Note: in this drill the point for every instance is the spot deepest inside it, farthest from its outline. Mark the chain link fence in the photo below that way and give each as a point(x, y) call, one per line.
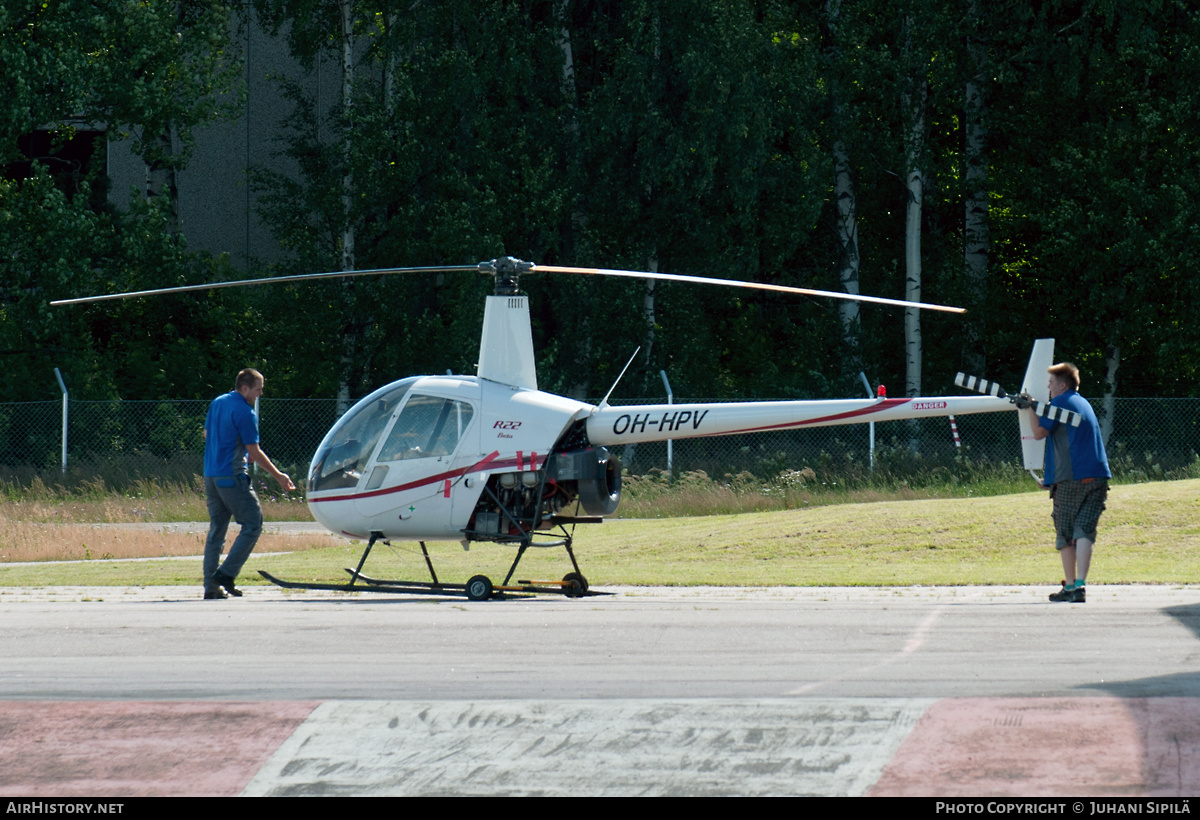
point(125, 441)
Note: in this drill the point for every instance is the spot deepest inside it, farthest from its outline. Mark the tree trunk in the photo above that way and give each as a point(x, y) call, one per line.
point(848, 260)
point(648, 319)
point(976, 238)
point(844, 198)
point(162, 182)
point(914, 177)
point(570, 94)
point(914, 94)
point(1108, 405)
point(350, 334)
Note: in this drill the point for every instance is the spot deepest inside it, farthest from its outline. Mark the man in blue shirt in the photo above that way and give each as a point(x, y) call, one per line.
point(230, 439)
point(1077, 474)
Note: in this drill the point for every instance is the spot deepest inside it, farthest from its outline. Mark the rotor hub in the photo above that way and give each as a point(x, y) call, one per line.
point(507, 273)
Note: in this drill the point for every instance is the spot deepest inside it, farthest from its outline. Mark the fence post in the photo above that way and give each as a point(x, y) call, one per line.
point(871, 425)
point(670, 442)
point(63, 388)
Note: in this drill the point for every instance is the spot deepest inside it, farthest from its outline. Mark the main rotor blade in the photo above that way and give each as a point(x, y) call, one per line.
point(301, 277)
point(733, 283)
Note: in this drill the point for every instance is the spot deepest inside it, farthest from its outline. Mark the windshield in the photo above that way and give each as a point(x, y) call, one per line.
point(347, 448)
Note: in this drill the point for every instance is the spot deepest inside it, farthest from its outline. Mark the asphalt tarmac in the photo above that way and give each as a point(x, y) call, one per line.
point(701, 691)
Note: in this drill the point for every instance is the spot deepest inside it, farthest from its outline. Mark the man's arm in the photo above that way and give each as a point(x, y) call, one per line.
point(1039, 432)
point(255, 453)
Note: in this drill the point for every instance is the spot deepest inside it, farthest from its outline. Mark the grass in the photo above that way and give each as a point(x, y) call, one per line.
point(1149, 534)
point(696, 494)
point(141, 500)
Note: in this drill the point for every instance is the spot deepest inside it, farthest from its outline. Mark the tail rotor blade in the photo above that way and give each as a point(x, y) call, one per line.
point(988, 388)
point(1044, 409)
point(1059, 414)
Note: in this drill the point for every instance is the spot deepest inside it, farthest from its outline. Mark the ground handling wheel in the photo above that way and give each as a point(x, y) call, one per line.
point(479, 588)
point(574, 585)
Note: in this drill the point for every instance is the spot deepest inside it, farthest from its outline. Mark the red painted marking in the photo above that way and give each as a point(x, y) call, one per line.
point(533, 461)
point(886, 404)
point(479, 466)
point(520, 461)
point(485, 463)
point(446, 489)
point(1049, 747)
point(140, 749)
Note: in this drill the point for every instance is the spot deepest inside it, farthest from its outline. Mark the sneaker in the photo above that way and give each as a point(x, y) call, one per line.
point(1064, 595)
point(1075, 595)
point(223, 580)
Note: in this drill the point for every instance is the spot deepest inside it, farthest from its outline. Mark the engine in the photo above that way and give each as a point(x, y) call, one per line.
point(532, 497)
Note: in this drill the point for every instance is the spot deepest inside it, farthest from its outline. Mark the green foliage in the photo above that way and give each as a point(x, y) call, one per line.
point(153, 69)
point(1103, 233)
point(696, 138)
point(146, 66)
point(56, 247)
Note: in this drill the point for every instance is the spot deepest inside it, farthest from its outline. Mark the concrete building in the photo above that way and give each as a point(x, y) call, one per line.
point(216, 199)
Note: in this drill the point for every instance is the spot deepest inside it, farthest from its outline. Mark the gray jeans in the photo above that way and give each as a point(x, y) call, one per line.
point(230, 497)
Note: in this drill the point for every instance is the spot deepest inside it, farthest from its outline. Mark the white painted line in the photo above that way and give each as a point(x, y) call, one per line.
point(915, 641)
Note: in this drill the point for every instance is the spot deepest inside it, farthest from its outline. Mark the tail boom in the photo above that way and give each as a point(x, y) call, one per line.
point(631, 424)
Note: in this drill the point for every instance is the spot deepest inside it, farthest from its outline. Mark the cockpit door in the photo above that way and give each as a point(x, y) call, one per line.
point(420, 459)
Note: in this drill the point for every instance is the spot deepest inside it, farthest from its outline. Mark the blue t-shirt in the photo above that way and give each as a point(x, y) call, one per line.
point(230, 426)
point(1074, 452)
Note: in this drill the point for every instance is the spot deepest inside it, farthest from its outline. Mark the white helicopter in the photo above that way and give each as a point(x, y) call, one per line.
point(491, 458)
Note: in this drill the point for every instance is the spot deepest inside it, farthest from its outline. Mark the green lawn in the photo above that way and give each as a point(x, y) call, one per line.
point(1149, 534)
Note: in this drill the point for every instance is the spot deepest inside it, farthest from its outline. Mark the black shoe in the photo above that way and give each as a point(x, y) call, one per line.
point(1076, 595)
point(1064, 595)
point(217, 594)
point(223, 580)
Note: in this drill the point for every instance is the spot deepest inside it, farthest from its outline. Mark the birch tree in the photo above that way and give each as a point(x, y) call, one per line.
point(914, 101)
point(845, 202)
point(976, 235)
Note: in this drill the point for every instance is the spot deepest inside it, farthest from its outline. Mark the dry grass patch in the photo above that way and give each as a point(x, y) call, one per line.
point(22, 541)
point(142, 501)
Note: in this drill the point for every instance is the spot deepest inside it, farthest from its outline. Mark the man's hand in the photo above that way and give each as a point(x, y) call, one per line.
point(260, 458)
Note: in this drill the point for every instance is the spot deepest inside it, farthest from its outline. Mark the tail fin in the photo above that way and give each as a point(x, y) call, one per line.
point(1035, 395)
point(1036, 384)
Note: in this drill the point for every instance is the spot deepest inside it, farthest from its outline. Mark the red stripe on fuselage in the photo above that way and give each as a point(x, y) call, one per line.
point(886, 404)
point(489, 461)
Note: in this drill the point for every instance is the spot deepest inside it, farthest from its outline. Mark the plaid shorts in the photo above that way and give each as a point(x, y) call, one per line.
point(1077, 508)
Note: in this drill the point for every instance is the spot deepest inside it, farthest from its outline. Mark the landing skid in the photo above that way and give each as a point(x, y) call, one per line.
point(572, 586)
point(478, 588)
